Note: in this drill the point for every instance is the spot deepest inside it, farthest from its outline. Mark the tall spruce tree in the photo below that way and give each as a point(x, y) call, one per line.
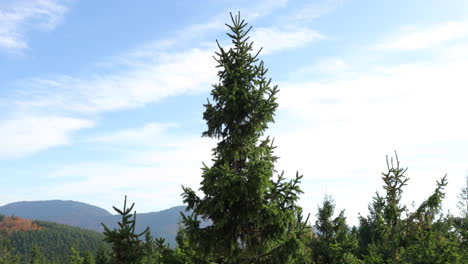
point(254, 218)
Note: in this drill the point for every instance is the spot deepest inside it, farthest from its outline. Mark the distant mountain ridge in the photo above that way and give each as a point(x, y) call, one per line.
point(64, 212)
point(164, 223)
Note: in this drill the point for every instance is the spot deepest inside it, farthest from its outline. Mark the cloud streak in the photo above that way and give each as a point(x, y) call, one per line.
point(155, 173)
point(274, 39)
point(346, 126)
point(142, 136)
point(19, 17)
point(426, 38)
point(175, 74)
point(312, 10)
point(32, 133)
point(147, 74)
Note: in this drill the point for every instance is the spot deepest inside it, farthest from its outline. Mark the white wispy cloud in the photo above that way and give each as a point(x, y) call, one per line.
point(294, 31)
point(146, 135)
point(29, 133)
point(335, 131)
point(175, 74)
point(258, 9)
point(312, 10)
point(418, 39)
point(344, 127)
point(329, 65)
point(154, 173)
point(151, 73)
point(19, 17)
point(147, 74)
point(196, 34)
point(187, 72)
point(274, 39)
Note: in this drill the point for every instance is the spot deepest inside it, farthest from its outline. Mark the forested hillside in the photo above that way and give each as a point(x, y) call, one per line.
point(15, 223)
point(52, 241)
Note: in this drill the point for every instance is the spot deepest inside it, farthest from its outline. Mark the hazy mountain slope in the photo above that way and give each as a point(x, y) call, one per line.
point(64, 212)
point(163, 223)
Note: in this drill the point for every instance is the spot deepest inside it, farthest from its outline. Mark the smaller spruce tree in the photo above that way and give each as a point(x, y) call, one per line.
point(89, 258)
point(36, 256)
point(393, 234)
point(102, 255)
point(7, 255)
point(126, 245)
point(75, 257)
point(463, 200)
point(333, 241)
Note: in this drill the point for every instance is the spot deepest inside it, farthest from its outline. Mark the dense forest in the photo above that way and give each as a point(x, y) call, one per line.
point(24, 240)
point(252, 209)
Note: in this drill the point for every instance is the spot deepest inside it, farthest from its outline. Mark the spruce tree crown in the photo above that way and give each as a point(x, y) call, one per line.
point(252, 216)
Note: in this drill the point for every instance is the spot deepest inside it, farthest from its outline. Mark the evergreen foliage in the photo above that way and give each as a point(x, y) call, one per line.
point(126, 246)
point(333, 241)
point(254, 218)
point(460, 223)
point(393, 234)
point(102, 255)
point(37, 257)
point(7, 255)
point(89, 258)
point(75, 257)
point(463, 200)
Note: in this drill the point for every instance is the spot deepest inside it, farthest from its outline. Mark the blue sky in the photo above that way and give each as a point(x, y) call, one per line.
point(104, 98)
